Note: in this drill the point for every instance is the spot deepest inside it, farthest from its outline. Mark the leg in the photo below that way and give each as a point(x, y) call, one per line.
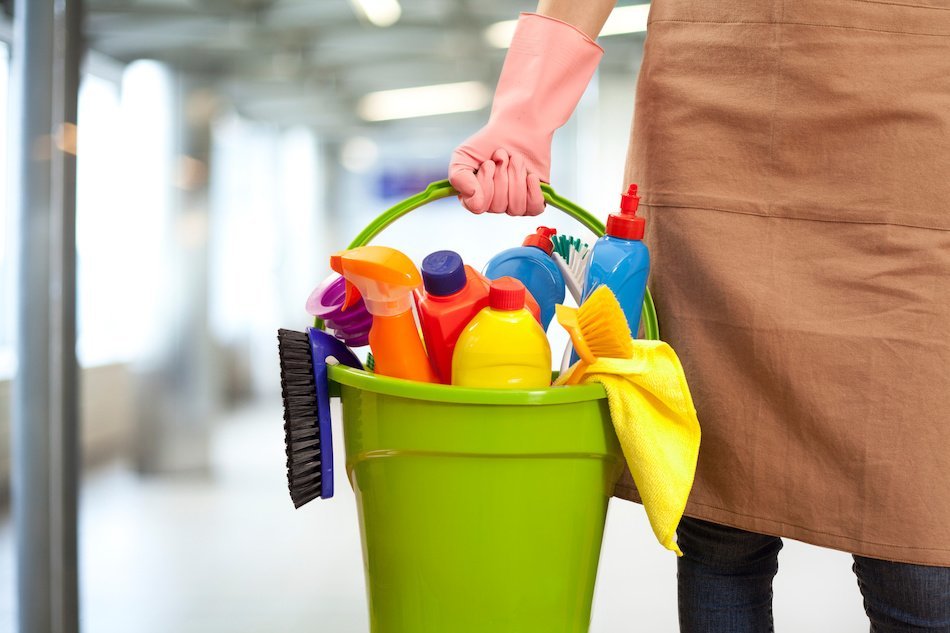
point(901, 598)
point(725, 578)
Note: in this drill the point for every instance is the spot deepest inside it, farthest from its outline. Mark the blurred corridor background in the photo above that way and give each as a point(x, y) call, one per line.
point(223, 149)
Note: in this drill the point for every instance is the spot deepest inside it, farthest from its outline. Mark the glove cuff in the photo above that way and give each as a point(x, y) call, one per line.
point(527, 16)
point(548, 66)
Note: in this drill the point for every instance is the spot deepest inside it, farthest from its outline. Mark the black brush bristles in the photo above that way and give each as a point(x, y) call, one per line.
point(301, 428)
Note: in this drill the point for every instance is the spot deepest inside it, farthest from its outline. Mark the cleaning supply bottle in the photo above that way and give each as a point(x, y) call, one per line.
point(386, 279)
point(454, 294)
point(326, 303)
point(532, 265)
point(529, 303)
point(504, 346)
point(621, 261)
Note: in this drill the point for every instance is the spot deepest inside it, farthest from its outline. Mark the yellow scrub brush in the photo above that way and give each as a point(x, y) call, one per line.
point(598, 329)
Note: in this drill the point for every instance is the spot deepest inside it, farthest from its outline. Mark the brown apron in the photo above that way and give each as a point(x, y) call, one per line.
point(794, 159)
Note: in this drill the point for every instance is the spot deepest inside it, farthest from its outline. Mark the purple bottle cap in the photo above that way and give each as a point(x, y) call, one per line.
point(443, 273)
point(354, 340)
point(358, 321)
point(326, 301)
point(327, 298)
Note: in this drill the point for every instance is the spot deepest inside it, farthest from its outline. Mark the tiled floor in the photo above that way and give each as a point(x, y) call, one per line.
point(231, 555)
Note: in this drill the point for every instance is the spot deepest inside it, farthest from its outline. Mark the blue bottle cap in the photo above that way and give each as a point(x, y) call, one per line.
point(443, 273)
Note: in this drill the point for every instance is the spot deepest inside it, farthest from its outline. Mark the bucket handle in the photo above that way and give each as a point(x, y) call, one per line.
point(442, 189)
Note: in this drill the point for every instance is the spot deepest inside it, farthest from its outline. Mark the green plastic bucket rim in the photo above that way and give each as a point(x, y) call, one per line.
point(385, 385)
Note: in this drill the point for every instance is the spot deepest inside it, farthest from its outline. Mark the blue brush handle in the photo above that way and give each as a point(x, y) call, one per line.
point(322, 346)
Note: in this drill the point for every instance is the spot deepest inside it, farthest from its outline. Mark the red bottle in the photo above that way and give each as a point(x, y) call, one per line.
point(454, 294)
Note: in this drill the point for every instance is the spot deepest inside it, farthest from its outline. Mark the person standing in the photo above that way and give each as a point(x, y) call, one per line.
point(794, 164)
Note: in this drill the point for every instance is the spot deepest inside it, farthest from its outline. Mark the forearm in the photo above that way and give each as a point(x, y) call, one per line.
point(587, 15)
point(550, 62)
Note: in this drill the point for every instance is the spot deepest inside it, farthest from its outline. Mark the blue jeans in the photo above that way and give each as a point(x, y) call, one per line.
point(725, 585)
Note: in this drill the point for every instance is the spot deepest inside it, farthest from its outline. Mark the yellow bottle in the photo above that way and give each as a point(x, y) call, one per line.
point(503, 346)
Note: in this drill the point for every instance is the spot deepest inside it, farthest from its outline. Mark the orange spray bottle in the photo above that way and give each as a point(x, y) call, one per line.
point(386, 279)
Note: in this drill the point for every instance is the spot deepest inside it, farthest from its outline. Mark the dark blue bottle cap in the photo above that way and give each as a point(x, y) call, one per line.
point(443, 273)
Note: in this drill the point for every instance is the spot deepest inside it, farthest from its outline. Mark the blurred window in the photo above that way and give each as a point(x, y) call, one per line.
point(100, 242)
point(268, 236)
point(122, 207)
point(7, 279)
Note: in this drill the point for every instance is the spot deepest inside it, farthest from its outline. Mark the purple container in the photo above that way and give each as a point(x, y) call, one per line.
point(326, 303)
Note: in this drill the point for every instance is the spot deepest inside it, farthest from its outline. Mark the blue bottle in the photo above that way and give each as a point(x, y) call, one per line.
point(620, 259)
point(531, 264)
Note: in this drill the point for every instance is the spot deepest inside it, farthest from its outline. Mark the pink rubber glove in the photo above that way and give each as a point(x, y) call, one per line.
point(546, 70)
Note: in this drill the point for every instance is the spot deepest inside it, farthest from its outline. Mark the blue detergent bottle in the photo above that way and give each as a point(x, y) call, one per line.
point(531, 264)
point(621, 260)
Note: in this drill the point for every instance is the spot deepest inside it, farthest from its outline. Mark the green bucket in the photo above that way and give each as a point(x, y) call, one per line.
point(481, 510)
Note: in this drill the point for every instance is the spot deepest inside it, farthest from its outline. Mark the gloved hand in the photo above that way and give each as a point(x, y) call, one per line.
point(546, 70)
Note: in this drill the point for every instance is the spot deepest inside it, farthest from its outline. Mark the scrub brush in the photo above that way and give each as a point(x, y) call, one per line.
point(570, 255)
point(598, 329)
point(305, 391)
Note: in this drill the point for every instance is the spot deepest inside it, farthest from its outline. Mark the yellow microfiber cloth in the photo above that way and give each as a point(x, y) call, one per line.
point(655, 421)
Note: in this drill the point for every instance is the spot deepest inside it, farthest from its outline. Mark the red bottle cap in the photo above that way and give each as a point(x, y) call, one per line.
point(541, 239)
point(506, 293)
point(627, 224)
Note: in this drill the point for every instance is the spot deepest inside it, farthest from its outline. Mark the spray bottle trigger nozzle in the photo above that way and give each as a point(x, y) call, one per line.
point(351, 296)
